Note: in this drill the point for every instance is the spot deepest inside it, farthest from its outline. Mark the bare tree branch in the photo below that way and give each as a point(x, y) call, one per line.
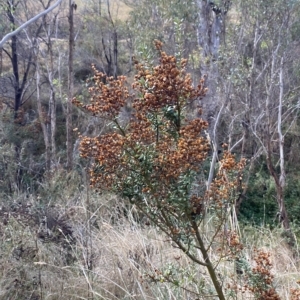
point(23, 26)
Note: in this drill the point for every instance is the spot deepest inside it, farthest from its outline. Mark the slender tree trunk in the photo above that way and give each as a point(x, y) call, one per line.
point(70, 88)
point(52, 107)
point(52, 97)
point(283, 216)
point(279, 180)
point(14, 58)
point(115, 42)
point(15, 65)
point(211, 269)
point(17, 89)
point(115, 38)
point(19, 85)
point(42, 118)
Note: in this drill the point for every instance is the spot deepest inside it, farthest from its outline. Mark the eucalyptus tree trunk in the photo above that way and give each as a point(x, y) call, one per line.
point(279, 179)
point(114, 41)
point(70, 87)
point(210, 33)
point(42, 116)
point(51, 124)
point(282, 209)
point(52, 108)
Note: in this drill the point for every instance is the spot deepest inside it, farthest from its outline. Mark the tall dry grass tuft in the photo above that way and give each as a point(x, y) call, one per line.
point(114, 253)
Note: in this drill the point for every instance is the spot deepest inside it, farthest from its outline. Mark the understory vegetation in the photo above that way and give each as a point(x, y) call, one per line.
point(98, 248)
point(149, 150)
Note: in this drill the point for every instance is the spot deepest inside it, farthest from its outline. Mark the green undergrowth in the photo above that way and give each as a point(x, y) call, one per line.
point(260, 208)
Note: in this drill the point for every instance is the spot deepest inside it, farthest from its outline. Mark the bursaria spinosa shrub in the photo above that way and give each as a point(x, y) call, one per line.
point(157, 159)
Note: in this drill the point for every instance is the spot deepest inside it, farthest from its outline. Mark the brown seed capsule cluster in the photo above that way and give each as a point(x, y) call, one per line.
point(159, 145)
point(233, 247)
point(140, 130)
point(227, 178)
point(108, 95)
point(263, 266)
point(263, 286)
point(186, 153)
point(166, 84)
point(197, 205)
point(106, 150)
point(295, 294)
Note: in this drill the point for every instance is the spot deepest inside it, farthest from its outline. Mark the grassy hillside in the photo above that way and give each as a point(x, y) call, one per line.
point(108, 255)
point(118, 8)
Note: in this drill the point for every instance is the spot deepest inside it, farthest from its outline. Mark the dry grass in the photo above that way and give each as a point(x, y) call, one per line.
point(285, 262)
point(112, 256)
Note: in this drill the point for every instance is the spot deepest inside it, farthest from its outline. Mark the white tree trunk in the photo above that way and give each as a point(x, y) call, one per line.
point(70, 89)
